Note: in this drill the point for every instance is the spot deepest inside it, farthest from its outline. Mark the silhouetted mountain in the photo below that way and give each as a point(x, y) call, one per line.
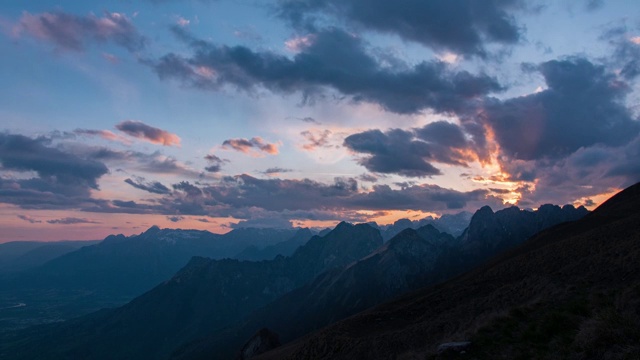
point(569, 292)
point(412, 259)
point(490, 233)
point(408, 261)
point(453, 224)
point(119, 268)
point(207, 296)
point(284, 248)
point(132, 265)
point(204, 296)
point(22, 255)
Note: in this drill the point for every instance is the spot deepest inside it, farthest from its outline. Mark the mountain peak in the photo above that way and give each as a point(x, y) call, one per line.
point(484, 210)
point(152, 230)
point(343, 225)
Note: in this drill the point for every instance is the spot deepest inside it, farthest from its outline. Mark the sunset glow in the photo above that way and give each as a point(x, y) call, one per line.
point(219, 115)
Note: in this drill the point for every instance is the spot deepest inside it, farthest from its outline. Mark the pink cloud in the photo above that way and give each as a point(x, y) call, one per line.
point(111, 58)
point(140, 130)
point(248, 146)
point(182, 21)
point(105, 134)
point(316, 139)
point(299, 43)
point(72, 32)
point(29, 219)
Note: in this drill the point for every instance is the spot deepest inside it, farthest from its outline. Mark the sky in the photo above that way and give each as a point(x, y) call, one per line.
point(216, 114)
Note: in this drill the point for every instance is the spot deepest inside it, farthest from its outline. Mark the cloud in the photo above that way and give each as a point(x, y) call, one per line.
point(140, 130)
point(581, 107)
point(412, 152)
point(268, 222)
point(54, 167)
point(180, 21)
point(159, 164)
point(153, 187)
point(72, 32)
point(28, 219)
point(336, 60)
point(368, 178)
point(72, 221)
point(216, 163)
point(310, 120)
point(460, 26)
point(626, 50)
point(175, 218)
point(316, 139)
point(274, 171)
point(188, 188)
point(592, 5)
point(275, 195)
point(155, 163)
point(246, 197)
point(113, 59)
point(586, 173)
point(248, 146)
point(104, 134)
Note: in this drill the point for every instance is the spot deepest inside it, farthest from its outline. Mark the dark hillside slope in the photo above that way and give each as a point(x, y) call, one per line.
point(570, 292)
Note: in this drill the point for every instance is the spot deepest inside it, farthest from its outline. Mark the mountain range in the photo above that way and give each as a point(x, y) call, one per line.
point(117, 269)
point(200, 311)
point(569, 292)
point(18, 256)
point(410, 260)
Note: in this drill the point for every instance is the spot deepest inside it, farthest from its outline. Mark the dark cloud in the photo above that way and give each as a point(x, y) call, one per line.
point(461, 26)
point(343, 194)
point(140, 130)
point(188, 188)
point(175, 218)
point(42, 194)
point(72, 221)
point(28, 219)
point(592, 5)
point(215, 163)
point(155, 163)
point(310, 120)
point(582, 107)
point(250, 145)
point(72, 32)
point(586, 173)
point(368, 178)
point(276, 170)
point(437, 198)
point(246, 197)
point(213, 168)
point(158, 164)
point(53, 166)
point(411, 152)
point(332, 59)
point(153, 187)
